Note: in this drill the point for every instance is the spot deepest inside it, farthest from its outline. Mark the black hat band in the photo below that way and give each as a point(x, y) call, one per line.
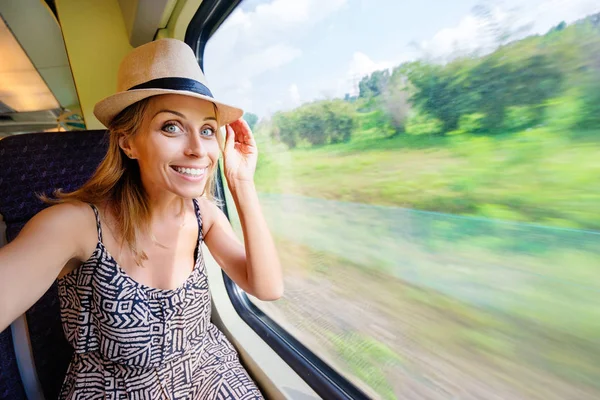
point(187, 84)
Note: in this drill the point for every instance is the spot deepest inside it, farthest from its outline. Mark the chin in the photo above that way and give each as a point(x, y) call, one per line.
point(187, 190)
point(190, 194)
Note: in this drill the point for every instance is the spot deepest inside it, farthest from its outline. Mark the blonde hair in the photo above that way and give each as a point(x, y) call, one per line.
point(117, 181)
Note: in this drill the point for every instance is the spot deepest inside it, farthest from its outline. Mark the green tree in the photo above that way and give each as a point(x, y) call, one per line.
point(340, 121)
point(318, 123)
point(437, 92)
point(499, 82)
point(558, 27)
point(589, 112)
point(373, 85)
point(285, 129)
point(251, 119)
point(485, 86)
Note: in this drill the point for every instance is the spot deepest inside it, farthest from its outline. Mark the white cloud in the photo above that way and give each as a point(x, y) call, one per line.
point(480, 30)
point(477, 31)
point(261, 39)
point(295, 94)
point(275, 22)
point(360, 66)
point(449, 40)
point(269, 58)
point(252, 43)
point(551, 12)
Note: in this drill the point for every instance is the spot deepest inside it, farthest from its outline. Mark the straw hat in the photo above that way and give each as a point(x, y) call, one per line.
point(165, 66)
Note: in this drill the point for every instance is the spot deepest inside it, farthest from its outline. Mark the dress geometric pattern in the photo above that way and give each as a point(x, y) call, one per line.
point(132, 341)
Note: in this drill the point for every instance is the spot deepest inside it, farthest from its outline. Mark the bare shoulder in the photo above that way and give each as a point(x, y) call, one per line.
point(72, 220)
point(72, 213)
point(210, 213)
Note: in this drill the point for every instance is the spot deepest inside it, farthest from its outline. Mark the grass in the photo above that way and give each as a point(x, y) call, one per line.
point(510, 348)
point(367, 358)
point(539, 175)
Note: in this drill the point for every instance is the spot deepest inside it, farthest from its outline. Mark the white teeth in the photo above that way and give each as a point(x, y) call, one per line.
point(191, 171)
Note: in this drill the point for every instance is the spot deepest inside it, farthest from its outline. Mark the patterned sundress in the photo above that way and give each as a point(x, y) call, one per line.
point(132, 341)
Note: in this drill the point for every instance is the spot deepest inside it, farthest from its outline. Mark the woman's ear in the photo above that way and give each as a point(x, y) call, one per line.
point(125, 145)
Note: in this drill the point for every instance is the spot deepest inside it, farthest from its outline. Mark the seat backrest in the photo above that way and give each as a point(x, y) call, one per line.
point(11, 387)
point(32, 164)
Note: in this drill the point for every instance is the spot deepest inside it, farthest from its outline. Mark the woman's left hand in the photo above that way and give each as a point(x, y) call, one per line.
point(240, 155)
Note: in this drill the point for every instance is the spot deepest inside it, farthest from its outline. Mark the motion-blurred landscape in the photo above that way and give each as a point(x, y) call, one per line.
point(440, 231)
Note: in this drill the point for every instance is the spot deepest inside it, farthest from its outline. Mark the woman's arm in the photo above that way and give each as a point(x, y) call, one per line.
point(254, 266)
point(263, 266)
point(30, 263)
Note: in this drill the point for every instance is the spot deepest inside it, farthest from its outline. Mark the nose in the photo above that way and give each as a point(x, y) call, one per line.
point(195, 147)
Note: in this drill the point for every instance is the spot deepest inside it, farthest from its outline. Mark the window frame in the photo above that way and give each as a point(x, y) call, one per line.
point(321, 377)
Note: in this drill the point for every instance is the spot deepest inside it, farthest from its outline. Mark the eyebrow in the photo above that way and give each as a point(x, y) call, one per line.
point(181, 115)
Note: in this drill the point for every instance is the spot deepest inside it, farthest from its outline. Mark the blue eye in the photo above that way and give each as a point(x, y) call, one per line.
point(171, 128)
point(207, 131)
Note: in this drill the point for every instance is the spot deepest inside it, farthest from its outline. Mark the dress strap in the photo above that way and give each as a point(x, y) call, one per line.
point(199, 219)
point(98, 226)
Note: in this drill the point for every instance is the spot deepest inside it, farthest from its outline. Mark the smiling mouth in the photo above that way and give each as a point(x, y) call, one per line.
point(190, 172)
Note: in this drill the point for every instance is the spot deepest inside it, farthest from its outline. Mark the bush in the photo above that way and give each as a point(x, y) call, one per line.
point(563, 112)
point(285, 129)
point(519, 117)
point(471, 123)
point(376, 121)
point(317, 123)
point(423, 124)
point(579, 108)
point(589, 113)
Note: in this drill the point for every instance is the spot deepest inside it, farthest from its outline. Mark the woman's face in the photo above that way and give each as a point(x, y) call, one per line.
point(177, 146)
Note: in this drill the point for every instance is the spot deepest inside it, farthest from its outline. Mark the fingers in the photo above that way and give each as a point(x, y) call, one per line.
point(241, 125)
point(229, 138)
point(243, 133)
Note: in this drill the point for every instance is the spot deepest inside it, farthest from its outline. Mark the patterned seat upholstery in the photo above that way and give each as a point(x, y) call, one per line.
point(32, 164)
point(11, 387)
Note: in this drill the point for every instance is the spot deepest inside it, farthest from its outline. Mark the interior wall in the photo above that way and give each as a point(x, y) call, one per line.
point(96, 41)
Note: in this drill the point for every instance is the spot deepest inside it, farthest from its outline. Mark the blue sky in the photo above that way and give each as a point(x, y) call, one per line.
point(273, 55)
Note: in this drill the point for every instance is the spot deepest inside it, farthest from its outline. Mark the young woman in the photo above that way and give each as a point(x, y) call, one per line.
point(126, 247)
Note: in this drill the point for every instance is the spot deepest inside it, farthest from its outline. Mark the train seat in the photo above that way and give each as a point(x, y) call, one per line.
point(32, 164)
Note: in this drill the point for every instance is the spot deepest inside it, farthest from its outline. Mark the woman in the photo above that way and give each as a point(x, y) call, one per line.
point(126, 247)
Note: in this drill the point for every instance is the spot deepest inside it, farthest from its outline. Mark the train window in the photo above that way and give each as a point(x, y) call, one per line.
point(429, 171)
